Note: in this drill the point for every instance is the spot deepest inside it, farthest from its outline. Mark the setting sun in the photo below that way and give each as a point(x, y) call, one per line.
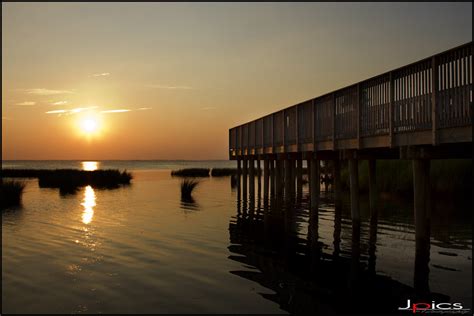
point(89, 125)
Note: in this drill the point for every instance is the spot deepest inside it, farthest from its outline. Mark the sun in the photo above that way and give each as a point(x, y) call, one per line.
point(89, 125)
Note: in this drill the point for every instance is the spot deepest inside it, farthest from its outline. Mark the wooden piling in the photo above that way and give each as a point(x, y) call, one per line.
point(251, 178)
point(421, 188)
point(244, 178)
point(259, 179)
point(272, 177)
point(299, 177)
point(266, 178)
point(279, 177)
point(373, 193)
point(287, 172)
point(354, 187)
point(314, 184)
point(372, 188)
point(239, 174)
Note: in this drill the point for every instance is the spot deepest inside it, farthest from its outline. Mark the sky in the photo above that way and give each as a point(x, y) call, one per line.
point(100, 81)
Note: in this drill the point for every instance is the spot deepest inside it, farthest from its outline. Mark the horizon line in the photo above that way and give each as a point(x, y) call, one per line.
point(116, 160)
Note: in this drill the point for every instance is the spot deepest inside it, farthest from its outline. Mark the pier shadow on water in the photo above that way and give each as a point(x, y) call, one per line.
point(322, 263)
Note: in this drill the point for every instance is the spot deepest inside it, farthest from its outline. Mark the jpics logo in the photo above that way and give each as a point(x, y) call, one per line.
point(433, 307)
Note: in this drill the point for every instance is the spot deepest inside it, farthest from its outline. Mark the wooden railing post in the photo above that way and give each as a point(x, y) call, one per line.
point(390, 113)
point(313, 125)
point(434, 100)
point(333, 121)
point(284, 131)
point(239, 135)
point(297, 130)
point(272, 133)
point(358, 115)
point(230, 143)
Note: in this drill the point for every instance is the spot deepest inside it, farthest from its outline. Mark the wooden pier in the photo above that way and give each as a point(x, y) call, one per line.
point(421, 111)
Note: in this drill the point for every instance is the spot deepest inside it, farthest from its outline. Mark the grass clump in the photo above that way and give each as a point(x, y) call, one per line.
point(191, 172)
point(70, 179)
point(223, 172)
point(187, 188)
point(11, 192)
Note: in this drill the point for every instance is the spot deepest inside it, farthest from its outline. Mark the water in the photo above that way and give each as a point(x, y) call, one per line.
point(118, 164)
point(140, 249)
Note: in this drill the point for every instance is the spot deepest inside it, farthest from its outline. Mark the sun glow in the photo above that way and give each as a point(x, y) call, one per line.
point(89, 125)
point(88, 203)
point(90, 165)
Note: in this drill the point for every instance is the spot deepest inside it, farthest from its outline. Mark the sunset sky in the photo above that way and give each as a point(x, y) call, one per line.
point(167, 80)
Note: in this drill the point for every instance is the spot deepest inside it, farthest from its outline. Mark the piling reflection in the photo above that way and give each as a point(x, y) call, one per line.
point(281, 239)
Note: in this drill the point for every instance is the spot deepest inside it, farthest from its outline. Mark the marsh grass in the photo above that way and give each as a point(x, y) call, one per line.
point(68, 180)
point(191, 172)
point(187, 188)
point(223, 172)
point(11, 192)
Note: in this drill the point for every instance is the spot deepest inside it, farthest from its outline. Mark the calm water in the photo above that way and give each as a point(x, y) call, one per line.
point(118, 164)
point(140, 249)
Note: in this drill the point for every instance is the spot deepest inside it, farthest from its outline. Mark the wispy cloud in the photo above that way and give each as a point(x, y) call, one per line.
point(104, 74)
point(41, 91)
point(56, 112)
point(169, 87)
point(70, 111)
point(59, 103)
point(27, 103)
point(116, 111)
point(143, 109)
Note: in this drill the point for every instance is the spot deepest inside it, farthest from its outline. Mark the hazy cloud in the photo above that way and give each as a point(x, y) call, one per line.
point(59, 103)
point(27, 103)
point(116, 111)
point(56, 112)
point(168, 87)
point(104, 74)
point(6, 118)
point(143, 109)
point(70, 111)
point(41, 91)
point(208, 108)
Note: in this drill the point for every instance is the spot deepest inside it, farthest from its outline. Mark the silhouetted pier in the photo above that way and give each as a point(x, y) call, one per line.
point(421, 111)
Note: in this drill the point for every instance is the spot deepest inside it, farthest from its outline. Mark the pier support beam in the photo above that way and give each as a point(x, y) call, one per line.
point(266, 178)
point(239, 174)
point(354, 187)
point(337, 184)
point(355, 215)
point(287, 172)
point(373, 193)
point(259, 179)
point(421, 187)
point(272, 177)
point(299, 177)
point(239, 168)
point(251, 178)
point(372, 189)
point(244, 179)
point(279, 177)
point(314, 184)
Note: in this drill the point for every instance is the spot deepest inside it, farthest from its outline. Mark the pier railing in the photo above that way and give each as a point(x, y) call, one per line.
point(426, 102)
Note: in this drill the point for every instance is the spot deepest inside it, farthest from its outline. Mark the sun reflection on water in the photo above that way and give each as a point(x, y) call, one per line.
point(90, 165)
point(88, 203)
